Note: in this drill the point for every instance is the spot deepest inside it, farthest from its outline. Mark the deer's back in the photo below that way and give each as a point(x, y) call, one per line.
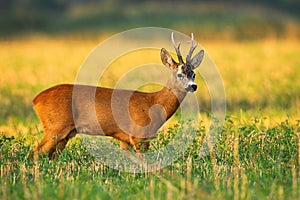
point(91, 107)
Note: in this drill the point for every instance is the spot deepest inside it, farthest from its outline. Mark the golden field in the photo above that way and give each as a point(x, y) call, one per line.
point(259, 140)
point(261, 77)
point(259, 73)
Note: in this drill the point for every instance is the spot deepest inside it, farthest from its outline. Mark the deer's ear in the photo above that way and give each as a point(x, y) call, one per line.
point(167, 59)
point(197, 59)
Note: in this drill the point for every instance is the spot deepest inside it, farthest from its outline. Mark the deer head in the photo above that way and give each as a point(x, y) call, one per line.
point(183, 74)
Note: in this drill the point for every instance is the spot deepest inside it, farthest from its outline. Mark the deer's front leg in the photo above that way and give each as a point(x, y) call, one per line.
point(140, 144)
point(124, 140)
point(125, 145)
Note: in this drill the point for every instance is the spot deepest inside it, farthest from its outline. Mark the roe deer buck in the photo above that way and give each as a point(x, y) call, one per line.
point(64, 114)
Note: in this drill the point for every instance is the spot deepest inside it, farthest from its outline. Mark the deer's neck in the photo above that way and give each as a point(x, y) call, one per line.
point(170, 97)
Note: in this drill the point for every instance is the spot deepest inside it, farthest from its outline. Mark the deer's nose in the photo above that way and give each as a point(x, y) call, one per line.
point(194, 87)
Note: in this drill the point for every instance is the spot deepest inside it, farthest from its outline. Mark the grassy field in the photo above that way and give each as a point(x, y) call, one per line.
point(256, 155)
point(251, 160)
point(256, 48)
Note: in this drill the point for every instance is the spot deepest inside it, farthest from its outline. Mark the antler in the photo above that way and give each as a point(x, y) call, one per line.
point(177, 49)
point(193, 47)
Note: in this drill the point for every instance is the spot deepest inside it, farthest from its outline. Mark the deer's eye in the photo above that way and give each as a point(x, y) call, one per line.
point(194, 75)
point(179, 75)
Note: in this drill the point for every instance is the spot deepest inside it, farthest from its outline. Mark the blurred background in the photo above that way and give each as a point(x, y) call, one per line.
point(254, 43)
point(234, 19)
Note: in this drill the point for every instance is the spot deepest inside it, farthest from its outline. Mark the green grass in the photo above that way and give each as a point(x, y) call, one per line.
point(251, 160)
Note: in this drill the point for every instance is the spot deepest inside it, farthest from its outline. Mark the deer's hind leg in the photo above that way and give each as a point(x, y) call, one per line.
point(54, 141)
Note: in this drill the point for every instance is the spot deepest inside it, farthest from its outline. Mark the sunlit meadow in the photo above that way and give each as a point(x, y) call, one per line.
point(256, 154)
